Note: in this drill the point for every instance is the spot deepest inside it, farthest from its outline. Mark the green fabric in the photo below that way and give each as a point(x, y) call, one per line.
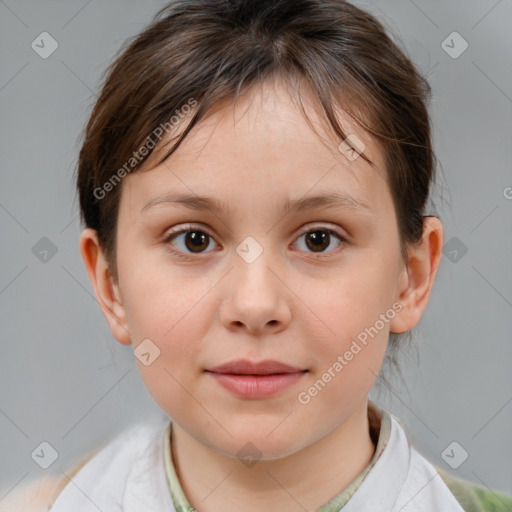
point(181, 503)
point(475, 498)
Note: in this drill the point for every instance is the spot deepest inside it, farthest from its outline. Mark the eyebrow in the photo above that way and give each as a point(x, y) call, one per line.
point(202, 203)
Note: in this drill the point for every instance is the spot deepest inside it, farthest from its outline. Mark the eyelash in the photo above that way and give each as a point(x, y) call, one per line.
point(200, 229)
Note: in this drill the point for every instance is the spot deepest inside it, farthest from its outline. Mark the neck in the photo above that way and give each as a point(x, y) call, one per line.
point(306, 479)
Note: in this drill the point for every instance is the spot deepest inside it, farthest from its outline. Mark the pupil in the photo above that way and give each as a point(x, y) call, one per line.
point(320, 239)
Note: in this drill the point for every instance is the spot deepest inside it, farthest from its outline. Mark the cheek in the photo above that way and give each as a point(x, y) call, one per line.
point(353, 301)
point(347, 364)
point(355, 314)
point(162, 301)
point(172, 315)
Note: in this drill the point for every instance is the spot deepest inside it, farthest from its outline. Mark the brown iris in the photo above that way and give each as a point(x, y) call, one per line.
point(317, 240)
point(196, 241)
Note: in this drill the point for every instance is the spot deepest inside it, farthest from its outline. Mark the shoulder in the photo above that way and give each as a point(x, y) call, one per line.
point(476, 498)
point(100, 477)
point(38, 495)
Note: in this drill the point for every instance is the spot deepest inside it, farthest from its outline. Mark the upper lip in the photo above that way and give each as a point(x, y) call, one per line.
point(247, 367)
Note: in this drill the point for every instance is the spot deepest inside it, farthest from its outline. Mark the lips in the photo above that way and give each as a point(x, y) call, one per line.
point(247, 367)
point(256, 380)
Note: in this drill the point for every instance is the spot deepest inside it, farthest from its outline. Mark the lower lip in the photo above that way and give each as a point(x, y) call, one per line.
point(256, 386)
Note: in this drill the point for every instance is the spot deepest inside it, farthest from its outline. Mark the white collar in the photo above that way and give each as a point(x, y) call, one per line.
point(402, 480)
point(129, 475)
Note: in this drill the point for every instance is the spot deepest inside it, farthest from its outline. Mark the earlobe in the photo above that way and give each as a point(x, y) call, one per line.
point(417, 278)
point(106, 290)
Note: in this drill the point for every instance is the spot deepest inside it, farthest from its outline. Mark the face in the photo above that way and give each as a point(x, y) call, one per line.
point(258, 279)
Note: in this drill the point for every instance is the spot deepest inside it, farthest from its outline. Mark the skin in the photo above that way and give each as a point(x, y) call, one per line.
point(293, 304)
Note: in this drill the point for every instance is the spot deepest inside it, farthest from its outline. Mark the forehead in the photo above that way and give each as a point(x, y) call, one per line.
point(262, 148)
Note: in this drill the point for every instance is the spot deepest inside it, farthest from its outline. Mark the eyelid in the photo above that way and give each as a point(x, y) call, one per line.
point(306, 229)
point(322, 226)
point(188, 227)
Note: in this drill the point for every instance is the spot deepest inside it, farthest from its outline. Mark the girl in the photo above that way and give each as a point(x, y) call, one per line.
point(253, 182)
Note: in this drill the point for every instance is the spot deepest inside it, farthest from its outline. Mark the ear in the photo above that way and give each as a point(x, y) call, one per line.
point(417, 278)
point(106, 290)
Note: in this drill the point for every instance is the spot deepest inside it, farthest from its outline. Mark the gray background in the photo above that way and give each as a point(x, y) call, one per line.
point(63, 377)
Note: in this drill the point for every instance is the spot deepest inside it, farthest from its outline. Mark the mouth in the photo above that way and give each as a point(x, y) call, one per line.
point(250, 380)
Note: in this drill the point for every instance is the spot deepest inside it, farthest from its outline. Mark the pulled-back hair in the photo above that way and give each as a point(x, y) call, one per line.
point(200, 52)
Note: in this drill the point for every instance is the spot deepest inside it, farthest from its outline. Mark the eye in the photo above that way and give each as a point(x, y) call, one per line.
point(195, 240)
point(190, 239)
point(318, 239)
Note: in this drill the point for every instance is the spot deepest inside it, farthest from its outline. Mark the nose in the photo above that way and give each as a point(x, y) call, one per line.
point(256, 297)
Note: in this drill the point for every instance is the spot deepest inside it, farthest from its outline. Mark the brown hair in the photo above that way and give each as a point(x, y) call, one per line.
point(213, 50)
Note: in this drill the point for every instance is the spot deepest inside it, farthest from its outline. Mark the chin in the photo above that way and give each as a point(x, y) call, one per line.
point(261, 443)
